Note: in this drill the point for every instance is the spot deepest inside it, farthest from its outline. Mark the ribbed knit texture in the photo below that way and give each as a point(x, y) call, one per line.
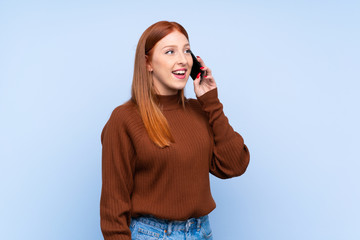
point(169, 183)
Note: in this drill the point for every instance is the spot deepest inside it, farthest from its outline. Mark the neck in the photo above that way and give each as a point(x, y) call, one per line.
point(169, 102)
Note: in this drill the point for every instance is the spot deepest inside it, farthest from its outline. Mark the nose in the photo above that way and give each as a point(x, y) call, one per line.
point(181, 59)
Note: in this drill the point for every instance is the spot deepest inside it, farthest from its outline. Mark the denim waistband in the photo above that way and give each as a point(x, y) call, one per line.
point(172, 225)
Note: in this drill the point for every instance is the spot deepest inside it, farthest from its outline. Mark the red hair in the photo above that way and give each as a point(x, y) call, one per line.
point(142, 90)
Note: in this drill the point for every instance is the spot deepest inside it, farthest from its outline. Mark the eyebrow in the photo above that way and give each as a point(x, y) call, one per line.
point(186, 45)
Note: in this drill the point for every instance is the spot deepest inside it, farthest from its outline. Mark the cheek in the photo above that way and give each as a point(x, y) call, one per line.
point(161, 65)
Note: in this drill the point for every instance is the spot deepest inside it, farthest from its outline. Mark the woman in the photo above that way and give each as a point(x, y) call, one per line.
point(159, 147)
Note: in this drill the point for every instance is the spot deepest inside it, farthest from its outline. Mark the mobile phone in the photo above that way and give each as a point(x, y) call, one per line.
point(195, 70)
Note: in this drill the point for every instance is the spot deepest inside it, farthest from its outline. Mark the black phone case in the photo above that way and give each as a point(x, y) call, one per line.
point(195, 70)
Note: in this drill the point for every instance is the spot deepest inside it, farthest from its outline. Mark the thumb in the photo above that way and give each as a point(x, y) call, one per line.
point(197, 82)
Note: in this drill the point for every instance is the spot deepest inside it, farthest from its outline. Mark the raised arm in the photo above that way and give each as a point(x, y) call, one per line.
point(230, 156)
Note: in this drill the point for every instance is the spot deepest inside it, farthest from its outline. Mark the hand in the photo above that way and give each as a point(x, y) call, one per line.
point(207, 83)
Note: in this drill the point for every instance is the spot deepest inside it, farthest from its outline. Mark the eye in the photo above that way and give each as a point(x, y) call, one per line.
point(188, 51)
point(169, 52)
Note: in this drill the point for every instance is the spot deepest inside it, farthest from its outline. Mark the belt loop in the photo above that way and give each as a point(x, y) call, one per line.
point(187, 225)
point(169, 228)
point(198, 224)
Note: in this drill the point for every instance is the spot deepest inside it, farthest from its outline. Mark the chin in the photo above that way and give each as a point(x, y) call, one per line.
point(179, 84)
point(180, 87)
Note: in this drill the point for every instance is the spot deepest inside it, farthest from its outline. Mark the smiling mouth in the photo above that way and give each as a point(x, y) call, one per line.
point(179, 72)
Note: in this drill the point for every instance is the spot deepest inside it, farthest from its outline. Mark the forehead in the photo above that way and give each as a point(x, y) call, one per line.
point(174, 38)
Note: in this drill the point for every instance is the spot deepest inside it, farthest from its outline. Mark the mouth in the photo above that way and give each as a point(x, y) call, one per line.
point(180, 73)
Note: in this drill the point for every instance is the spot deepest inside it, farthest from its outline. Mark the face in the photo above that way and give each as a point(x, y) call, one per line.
point(170, 63)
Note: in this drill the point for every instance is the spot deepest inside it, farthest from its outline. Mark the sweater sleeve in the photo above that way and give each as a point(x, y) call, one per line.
point(230, 155)
point(117, 179)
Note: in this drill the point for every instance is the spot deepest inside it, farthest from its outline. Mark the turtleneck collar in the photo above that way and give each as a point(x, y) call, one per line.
point(169, 102)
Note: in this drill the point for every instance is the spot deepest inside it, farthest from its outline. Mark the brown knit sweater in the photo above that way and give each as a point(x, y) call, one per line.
point(171, 183)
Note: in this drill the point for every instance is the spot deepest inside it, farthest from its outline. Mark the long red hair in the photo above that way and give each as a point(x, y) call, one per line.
point(142, 90)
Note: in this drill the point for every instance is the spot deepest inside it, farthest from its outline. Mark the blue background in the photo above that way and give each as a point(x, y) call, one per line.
point(288, 75)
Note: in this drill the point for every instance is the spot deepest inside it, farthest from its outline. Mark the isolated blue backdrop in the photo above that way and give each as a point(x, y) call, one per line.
point(288, 76)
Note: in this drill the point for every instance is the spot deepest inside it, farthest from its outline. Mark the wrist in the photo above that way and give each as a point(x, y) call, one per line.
point(209, 97)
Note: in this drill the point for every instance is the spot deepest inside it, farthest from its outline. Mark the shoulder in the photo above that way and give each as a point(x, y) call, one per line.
point(121, 120)
point(124, 112)
point(122, 116)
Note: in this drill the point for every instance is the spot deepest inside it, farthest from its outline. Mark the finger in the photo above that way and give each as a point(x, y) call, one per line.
point(198, 77)
point(200, 61)
point(208, 71)
point(203, 71)
point(204, 67)
point(207, 76)
point(208, 80)
point(197, 81)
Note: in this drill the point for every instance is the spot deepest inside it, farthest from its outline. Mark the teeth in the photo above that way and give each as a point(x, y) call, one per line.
point(179, 72)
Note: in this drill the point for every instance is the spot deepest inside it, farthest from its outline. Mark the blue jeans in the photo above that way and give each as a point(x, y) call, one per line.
point(151, 228)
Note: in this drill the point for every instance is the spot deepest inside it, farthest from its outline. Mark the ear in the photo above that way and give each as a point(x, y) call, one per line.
point(148, 64)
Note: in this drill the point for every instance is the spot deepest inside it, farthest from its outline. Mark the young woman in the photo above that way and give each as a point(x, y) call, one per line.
point(159, 147)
